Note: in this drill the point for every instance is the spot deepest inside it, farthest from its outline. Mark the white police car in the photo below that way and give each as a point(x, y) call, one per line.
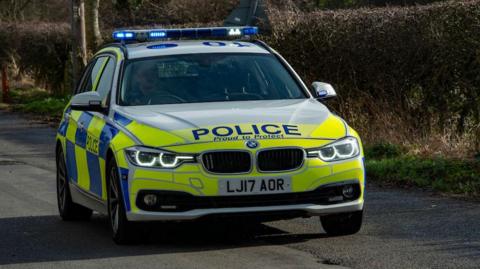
point(167, 125)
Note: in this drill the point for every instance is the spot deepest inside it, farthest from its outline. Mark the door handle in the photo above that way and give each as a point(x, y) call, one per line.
point(81, 126)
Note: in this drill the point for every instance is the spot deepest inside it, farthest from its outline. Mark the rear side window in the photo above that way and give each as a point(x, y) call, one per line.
point(90, 76)
point(105, 83)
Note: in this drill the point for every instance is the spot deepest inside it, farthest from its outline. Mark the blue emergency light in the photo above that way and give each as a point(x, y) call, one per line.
point(155, 34)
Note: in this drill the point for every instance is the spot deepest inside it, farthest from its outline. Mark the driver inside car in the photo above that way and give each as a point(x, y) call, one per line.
point(142, 85)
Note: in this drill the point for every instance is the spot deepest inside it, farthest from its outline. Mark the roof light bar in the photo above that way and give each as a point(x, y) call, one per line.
point(154, 34)
point(123, 35)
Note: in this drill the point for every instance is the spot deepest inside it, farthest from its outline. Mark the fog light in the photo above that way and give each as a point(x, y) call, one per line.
point(150, 199)
point(348, 191)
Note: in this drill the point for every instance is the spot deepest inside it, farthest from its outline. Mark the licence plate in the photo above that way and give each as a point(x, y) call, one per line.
point(235, 186)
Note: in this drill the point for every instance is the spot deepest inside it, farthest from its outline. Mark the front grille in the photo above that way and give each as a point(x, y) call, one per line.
point(180, 201)
point(280, 159)
point(223, 162)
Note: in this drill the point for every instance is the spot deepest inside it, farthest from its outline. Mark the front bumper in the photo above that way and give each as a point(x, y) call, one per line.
point(309, 209)
point(192, 179)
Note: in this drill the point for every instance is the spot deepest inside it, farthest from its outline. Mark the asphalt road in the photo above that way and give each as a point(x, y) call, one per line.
point(403, 229)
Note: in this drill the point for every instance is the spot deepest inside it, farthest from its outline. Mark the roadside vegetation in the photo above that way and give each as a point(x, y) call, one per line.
point(391, 164)
point(38, 103)
point(406, 71)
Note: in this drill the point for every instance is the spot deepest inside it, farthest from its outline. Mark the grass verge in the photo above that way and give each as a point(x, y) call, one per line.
point(451, 176)
point(50, 106)
point(39, 103)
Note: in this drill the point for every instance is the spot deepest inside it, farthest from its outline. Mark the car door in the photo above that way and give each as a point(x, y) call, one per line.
point(97, 131)
point(78, 124)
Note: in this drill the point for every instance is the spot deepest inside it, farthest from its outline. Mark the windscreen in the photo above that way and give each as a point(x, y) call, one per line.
point(219, 77)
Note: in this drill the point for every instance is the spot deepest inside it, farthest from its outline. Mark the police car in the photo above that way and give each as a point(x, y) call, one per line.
point(184, 124)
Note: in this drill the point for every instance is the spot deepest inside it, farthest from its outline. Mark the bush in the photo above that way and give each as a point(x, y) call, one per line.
point(451, 176)
point(402, 74)
point(40, 50)
point(383, 150)
point(39, 103)
point(22, 96)
point(50, 106)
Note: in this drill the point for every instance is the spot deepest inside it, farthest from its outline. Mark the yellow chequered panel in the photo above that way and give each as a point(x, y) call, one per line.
point(72, 128)
point(96, 126)
point(118, 143)
point(82, 168)
point(93, 135)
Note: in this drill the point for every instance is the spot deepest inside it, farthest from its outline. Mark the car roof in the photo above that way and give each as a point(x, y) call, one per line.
point(174, 47)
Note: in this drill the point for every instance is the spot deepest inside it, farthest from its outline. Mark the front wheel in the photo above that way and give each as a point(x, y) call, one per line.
point(66, 207)
point(122, 229)
point(343, 223)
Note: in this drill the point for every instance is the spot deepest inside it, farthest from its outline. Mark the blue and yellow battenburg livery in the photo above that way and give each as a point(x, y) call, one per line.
point(174, 157)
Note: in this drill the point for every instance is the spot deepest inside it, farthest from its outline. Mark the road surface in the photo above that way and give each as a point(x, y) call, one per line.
point(403, 229)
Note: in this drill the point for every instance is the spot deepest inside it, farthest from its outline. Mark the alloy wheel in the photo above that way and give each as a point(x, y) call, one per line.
point(114, 200)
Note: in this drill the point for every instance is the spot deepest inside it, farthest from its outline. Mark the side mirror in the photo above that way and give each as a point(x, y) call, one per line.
point(323, 91)
point(87, 101)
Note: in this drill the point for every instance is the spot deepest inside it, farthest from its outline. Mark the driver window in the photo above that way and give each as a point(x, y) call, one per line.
point(89, 79)
point(105, 83)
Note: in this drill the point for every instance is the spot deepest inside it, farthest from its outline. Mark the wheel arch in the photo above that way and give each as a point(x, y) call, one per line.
point(108, 157)
point(58, 146)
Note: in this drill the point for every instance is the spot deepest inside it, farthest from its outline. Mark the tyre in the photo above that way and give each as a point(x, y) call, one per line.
point(123, 231)
point(342, 224)
point(66, 207)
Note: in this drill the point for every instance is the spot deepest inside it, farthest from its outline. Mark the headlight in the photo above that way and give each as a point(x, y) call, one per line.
point(345, 148)
point(148, 157)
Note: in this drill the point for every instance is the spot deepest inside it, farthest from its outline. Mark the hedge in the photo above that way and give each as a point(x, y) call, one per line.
point(401, 72)
point(38, 49)
point(443, 175)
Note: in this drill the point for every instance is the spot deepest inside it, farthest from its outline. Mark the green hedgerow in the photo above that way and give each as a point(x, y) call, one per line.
point(383, 150)
point(445, 175)
point(49, 106)
point(23, 96)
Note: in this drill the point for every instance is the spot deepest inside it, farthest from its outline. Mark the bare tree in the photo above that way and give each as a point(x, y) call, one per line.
point(79, 42)
point(94, 37)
